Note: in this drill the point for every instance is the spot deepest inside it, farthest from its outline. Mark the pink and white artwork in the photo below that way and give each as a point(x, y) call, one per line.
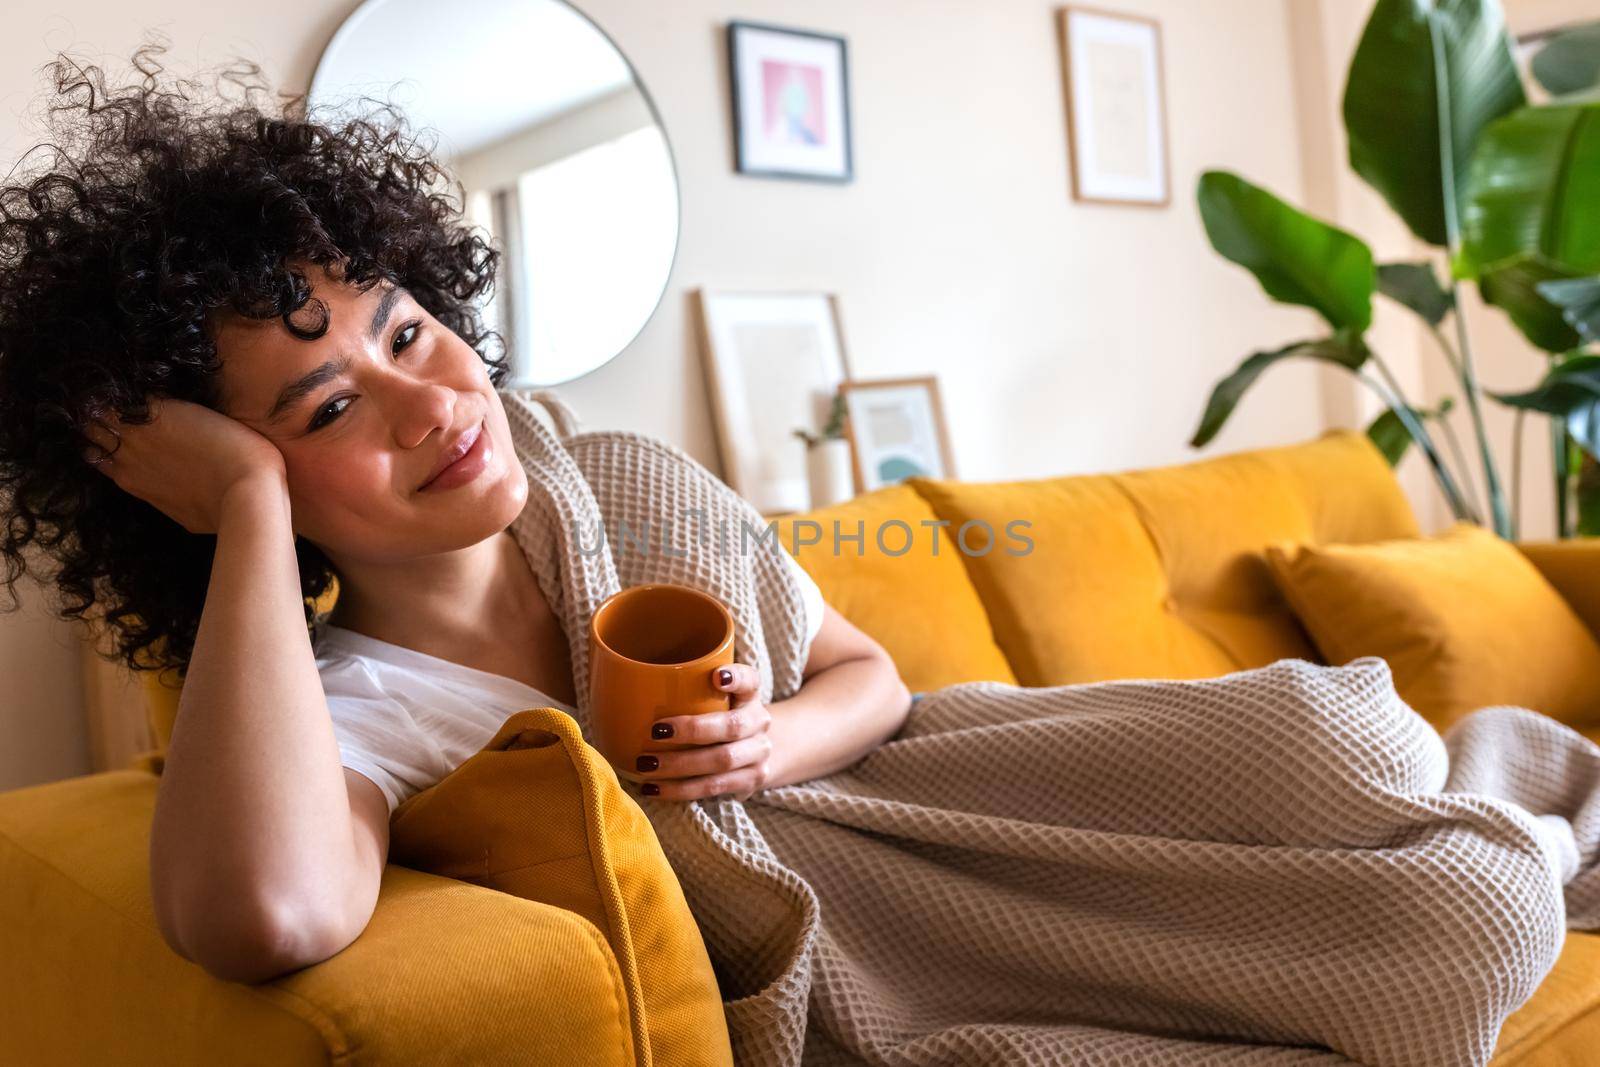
point(792, 93)
point(790, 102)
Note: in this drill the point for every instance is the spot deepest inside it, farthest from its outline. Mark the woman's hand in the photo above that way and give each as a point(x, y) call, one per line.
point(717, 752)
point(182, 461)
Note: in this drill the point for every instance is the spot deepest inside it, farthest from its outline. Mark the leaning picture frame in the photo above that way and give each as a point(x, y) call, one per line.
point(897, 430)
point(773, 362)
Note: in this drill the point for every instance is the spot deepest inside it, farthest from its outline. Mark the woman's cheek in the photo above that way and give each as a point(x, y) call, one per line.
point(330, 492)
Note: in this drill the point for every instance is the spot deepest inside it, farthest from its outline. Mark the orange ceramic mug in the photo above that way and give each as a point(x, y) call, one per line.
point(652, 651)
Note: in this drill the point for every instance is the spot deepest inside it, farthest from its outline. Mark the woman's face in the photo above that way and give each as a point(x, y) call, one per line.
point(361, 437)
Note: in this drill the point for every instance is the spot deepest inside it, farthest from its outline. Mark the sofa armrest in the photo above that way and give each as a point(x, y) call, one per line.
point(1573, 567)
point(445, 972)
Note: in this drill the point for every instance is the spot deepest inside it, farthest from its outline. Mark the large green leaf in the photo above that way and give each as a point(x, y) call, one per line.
point(1297, 259)
point(1425, 80)
point(1417, 287)
point(1516, 286)
point(1345, 348)
point(1570, 62)
point(1534, 187)
point(1568, 390)
point(1583, 423)
point(1579, 301)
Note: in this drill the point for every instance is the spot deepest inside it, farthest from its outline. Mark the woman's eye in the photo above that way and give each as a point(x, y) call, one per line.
point(318, 421)
point(411, 328)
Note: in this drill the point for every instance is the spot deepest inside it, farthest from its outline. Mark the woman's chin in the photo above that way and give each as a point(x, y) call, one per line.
point(492, 501)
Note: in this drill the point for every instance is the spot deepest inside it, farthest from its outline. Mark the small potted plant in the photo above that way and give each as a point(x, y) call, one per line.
point(828, 459)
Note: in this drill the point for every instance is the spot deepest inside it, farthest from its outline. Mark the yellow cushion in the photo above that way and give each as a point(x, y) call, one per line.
point(1158, 573)
point(1573, 567)
point(917, 601)
point(540, 814)
point(1463, 619)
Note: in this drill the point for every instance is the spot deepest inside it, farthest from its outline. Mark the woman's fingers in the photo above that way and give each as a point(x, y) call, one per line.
point(737, 767)
point(740, 784)
point(742, 679)
point(709, 759)
point(713, 727)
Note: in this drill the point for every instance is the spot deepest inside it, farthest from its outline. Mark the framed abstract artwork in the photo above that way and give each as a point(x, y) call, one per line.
point(896, 430)
point(1116, 114)
point(773, 361)
point(791, 102)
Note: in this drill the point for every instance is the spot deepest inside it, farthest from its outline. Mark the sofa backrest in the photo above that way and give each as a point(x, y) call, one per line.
point(1159, 573)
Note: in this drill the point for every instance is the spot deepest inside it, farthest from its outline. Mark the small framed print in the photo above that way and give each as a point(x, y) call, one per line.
point(896, 431)
point(1116, 114)
point(791, 102)
point(773, 361)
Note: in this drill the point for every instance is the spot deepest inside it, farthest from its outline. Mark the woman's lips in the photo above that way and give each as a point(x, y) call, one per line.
point(471, 464)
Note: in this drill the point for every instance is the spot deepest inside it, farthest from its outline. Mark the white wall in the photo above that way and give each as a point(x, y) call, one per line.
point(1067, 337)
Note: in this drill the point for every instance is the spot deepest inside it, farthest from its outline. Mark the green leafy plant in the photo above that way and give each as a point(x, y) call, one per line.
point(833, 428)
point(1438, 121)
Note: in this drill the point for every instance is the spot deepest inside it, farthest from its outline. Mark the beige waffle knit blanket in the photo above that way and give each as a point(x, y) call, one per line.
point(1281, 865)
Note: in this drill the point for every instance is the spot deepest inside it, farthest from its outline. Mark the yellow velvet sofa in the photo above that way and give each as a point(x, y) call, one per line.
point(1150, 573)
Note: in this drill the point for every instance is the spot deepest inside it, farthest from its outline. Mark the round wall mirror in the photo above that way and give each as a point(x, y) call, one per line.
point(559, 150)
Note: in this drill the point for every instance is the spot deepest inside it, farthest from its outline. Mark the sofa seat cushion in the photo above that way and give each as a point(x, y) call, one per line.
point(1159, 573)
point(1463, 619)
point(1559, 1026)
point(907, 589)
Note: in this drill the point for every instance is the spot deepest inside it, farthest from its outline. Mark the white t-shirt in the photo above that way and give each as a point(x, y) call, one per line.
point(406, 719)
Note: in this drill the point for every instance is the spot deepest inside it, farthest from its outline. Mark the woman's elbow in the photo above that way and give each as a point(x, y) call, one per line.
point(900, 699)
point(259, 943)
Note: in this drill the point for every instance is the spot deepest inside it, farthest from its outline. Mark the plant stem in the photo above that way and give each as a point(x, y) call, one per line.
point(1516, 473)
point(1460, 457)
point(1469, 383)
point(1421, 425)
point(1561, 468)
point(1403, 411)
point(1444, 346)
point(1451, 358)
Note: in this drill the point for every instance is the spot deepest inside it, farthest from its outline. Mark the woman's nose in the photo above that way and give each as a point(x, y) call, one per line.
point(419, 408)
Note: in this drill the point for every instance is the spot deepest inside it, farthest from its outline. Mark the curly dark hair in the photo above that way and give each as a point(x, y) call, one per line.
point(162, 207)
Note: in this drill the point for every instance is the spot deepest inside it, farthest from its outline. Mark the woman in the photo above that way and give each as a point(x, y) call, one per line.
point(236, 349)
point(313, 331)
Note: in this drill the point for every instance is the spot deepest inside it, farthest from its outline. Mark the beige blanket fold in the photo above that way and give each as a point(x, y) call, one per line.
point(1280, 865)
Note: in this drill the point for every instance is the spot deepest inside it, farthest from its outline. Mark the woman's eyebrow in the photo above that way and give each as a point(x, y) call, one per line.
point(307, 384)
point(310, 382)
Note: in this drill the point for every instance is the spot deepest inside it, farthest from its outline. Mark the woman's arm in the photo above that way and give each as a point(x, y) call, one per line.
point(851, 701)
point(265, 853)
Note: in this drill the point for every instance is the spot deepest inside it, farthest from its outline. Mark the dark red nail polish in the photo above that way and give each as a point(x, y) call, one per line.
point(725, 676)
point(651, 789)
point(661, 730)
point(647, 763)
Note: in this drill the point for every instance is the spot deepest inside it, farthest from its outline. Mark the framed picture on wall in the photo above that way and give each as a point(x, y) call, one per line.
point(896, 430)
point(791, 102)
point(1116, 114)
point(773, 362)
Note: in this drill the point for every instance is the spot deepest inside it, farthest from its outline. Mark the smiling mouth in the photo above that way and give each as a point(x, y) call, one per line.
point(470, 442)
